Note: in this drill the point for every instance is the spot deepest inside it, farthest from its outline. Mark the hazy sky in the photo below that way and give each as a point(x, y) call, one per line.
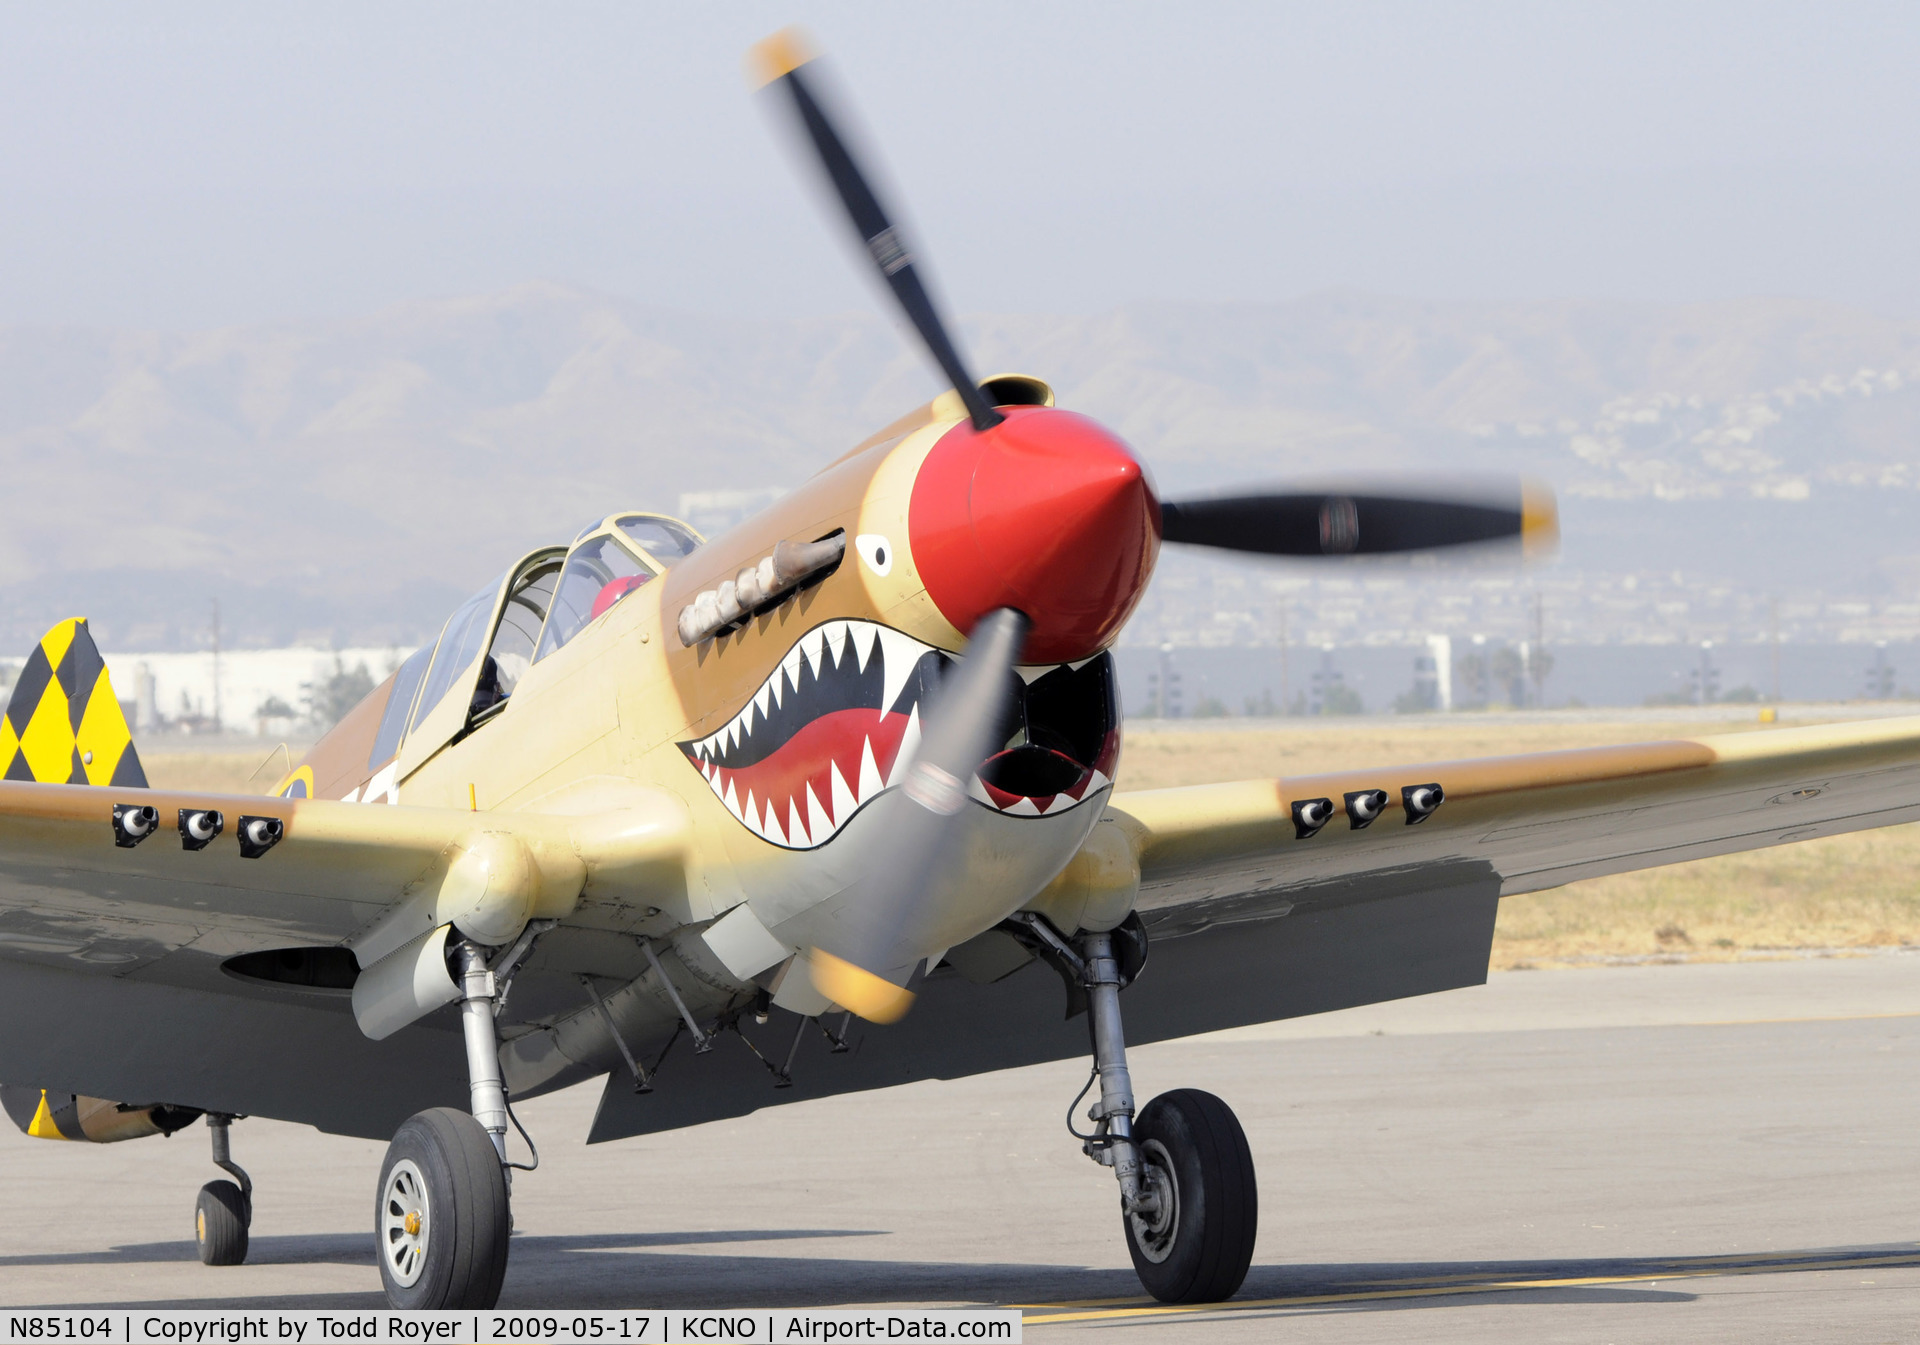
point(189, 165)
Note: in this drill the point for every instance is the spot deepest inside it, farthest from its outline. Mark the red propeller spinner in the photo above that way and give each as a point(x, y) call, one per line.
point(1046, 513)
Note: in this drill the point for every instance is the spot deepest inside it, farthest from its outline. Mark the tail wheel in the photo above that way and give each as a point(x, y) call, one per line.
point(220, 1218)
point(440, 1219)
point(1196, 1247)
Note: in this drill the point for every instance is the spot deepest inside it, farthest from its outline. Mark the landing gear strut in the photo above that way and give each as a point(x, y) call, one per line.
point(441, 1217)
point(224, 1211)
point(1189, 1203)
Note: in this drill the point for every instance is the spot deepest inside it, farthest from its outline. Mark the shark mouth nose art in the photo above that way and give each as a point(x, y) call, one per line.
point(837, 723)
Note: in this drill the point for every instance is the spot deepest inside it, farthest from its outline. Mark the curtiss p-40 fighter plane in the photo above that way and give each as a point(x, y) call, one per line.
point(699, 816)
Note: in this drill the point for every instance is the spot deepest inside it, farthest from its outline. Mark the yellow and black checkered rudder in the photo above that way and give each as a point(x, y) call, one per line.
point(63, 725)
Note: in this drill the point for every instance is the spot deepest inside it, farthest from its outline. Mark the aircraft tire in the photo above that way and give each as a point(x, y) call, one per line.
point(1198, 1248)
point(440, 1214)
point(220, 1224)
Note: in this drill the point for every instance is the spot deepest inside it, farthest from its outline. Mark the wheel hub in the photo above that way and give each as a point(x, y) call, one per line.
point(1157, 1221)
point(404, 1222)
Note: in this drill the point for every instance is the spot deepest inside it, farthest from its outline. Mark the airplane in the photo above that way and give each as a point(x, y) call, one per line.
point(822, 805)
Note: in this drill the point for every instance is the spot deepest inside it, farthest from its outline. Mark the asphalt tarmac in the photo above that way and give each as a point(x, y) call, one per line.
point(1718, 1152)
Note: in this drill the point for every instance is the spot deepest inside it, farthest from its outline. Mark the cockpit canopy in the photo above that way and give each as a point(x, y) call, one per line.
point(446, 689)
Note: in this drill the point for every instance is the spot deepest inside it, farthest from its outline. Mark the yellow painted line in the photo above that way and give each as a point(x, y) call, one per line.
point(1757, 1263)
point(1689, 1270)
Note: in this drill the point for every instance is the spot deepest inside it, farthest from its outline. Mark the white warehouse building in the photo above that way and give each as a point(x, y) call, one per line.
point(199, 690)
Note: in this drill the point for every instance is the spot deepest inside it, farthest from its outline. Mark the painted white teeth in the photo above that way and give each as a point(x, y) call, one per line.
point(900, 654)
point(809, 821)
point(818, 823)
point(909, 745)
point(832, 643)
point(810, 647)
point(844, 801)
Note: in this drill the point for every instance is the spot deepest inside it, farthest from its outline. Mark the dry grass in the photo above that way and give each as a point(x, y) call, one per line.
point(1858, 891)
point(213, 772)
point(1855, 891)
point(1846, 892)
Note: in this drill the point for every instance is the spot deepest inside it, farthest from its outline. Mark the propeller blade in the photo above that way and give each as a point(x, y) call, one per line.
point(778, 60)
point(1361, 522)
point(961, 729)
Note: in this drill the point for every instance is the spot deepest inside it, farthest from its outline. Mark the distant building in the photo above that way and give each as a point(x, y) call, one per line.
point(1163, 686)
point(1880, 675)
point(174, 693)
point(1703, 683)
point(1330, 693)
point(1439, 658)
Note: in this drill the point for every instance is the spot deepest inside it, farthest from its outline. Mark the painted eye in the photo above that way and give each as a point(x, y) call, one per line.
point(876, 551)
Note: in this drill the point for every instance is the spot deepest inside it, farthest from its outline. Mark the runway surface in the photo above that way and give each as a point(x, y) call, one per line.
point(1717, 1152)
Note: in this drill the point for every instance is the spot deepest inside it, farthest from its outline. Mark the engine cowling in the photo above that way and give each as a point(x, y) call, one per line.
point(48, 1115)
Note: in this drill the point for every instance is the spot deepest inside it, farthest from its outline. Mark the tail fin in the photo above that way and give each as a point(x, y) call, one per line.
point(63, 725)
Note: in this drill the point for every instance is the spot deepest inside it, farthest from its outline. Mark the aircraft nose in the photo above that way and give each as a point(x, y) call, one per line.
point(1046, 513)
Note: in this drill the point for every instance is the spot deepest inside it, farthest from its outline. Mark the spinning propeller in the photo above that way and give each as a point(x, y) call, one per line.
point(961, 731)
point(1066, 467)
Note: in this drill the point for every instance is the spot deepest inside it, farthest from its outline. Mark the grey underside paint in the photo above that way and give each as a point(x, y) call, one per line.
point(1271, 929)
point(295, 1058)
point(303, 1059)
point(1413, 935)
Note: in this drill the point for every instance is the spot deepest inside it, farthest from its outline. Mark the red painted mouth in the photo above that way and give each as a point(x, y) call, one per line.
point(838, 722)
point(818, 778)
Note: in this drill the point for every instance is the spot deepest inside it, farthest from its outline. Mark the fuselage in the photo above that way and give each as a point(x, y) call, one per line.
point(775, 746)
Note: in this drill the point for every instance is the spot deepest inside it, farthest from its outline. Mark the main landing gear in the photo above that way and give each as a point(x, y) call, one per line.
point(441, 1216)
point(224, 1211)
point(1189, 1203)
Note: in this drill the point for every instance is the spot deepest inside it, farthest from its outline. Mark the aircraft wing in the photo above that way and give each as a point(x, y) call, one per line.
point(1232, 852)
point(71, 895)
point(112, 959)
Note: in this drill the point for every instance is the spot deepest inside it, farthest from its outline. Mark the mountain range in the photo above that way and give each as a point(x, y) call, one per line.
point(348, 481)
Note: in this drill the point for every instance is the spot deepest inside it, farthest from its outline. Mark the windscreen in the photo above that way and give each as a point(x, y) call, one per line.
point(599, 573)
point(665, 539)
point(459, 647)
